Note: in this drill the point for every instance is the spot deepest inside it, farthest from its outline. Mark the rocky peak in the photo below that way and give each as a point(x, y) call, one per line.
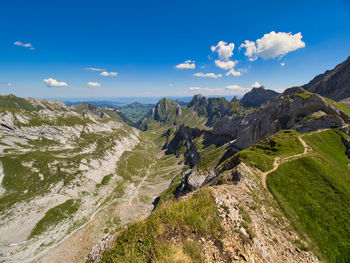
point(294, 91)
point(292, 110)
point(235, 99)
point(183, 138)
point(86, 108)
point(198, 99)
point(257, 97)
point(334, 84)
point(165, 110)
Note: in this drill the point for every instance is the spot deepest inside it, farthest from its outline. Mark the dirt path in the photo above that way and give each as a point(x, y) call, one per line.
point(136, 192)
point(278, 161)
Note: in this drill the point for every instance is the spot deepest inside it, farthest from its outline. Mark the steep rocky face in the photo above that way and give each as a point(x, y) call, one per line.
point(182, 143)
point(192, 180)
point(166, 111)
point(257, 97)
point(215, 108)
point(303, 112)
point(198, 101)
point(334, 84)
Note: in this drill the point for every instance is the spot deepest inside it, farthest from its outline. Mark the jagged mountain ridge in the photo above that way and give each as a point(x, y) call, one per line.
point(168, 112)
point(258, 96)
point(293, 109)
point(199, 112)
point(334, 84)
point(215, 108)
point(210, 158)
point(262, 217)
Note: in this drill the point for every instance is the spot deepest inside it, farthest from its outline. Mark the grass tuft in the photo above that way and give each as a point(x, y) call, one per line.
point(149, 240)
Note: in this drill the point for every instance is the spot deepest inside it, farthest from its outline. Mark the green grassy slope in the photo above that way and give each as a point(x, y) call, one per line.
point(150, 240)
point(13, 102)
point(55, 215)
point(338, 105)
point(261, 155)
point(314, 193)
point(135, 111)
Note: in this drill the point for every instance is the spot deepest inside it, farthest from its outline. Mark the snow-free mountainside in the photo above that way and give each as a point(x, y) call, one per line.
point(262, 179)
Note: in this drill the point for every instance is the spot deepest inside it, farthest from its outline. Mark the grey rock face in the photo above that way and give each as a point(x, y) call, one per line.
point(334, 84)
point(288, 111)
point(193, 180)
point(257, 97)
point(96, 253)
point(183, 138)
point(313, 123)
point(346, 142)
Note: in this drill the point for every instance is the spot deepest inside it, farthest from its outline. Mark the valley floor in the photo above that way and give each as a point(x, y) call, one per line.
point(118, 186)
point(135, 204)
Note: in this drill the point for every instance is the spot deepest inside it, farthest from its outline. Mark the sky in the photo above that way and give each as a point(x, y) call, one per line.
point(105, 48)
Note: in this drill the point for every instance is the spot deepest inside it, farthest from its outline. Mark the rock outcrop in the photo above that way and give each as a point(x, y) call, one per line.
point(257, 97)
point(192, 180)
point(334, 84)
point(182, 143)
point(346, 143)
point(303, 112)
point(166, 111)
point(96, 253)
point(215, 108)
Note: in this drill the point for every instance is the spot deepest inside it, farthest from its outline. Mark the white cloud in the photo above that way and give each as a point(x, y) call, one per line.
point(235, 88)
point(250, 49)
point(94, 69)
point(226, 65)
point(188, 64)
point(233, 72)
point(171, 84)
point(109, 74)
point(283, 64)
point(225, 51)
point(9, 84)
point(21, 44)
point(93, 84)
point(50, 82)
point(207, 75)
point(272, 45)
point(194, 88)
point(256, 85)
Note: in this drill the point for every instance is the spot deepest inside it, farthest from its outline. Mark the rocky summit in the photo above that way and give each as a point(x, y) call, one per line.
point(334, 84)
point(294, 109)
point(257, 97)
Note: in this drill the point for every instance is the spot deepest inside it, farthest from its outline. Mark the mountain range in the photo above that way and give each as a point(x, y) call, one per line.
point(264, 178)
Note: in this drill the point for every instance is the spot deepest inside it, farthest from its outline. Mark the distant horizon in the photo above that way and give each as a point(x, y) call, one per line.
point(113, 99)
point(131, 99)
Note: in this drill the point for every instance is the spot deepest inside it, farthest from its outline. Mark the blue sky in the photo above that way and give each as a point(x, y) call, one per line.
point(47, 46)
